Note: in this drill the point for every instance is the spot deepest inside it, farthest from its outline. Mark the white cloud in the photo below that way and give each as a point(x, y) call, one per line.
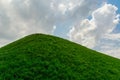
point(89, 32)
point(110, 47)
point(22, 17)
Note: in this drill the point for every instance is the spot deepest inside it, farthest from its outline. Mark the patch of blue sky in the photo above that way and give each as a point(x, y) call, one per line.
point(116, 3)
point(117, 29)
point(63, 28)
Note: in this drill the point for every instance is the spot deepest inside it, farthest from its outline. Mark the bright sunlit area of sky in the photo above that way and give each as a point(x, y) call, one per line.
point(91, 23)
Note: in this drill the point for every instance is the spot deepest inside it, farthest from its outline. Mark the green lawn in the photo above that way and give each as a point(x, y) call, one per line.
point(45, 57)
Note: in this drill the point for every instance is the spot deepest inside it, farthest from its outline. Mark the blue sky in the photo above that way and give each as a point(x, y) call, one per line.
point(91, 23)
point(60, 31)
point(116, 3)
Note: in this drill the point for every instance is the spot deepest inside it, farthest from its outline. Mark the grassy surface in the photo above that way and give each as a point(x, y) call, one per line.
point(44, 57)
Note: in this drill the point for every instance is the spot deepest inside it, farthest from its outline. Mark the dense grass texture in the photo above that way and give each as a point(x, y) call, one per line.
point(45, 57)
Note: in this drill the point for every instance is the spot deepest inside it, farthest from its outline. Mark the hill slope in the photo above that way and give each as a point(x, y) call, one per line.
point(45, 57)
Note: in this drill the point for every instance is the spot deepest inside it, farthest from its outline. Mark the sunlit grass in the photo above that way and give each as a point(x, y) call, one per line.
point(45, 57)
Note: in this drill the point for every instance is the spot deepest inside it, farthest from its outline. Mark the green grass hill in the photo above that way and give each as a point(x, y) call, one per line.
point(45, 57)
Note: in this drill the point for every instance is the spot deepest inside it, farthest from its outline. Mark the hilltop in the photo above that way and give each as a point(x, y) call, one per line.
point(46, 57)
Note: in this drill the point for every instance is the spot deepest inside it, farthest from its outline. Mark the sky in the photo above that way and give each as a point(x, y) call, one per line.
point(91, 23)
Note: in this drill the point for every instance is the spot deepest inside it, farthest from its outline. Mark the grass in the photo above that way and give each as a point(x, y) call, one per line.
point(45, 57)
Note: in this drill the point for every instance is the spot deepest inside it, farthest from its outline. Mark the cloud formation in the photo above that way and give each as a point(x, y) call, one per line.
point(22, 17)
point(110, 45)
point(90, 32)
point(97, 32)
